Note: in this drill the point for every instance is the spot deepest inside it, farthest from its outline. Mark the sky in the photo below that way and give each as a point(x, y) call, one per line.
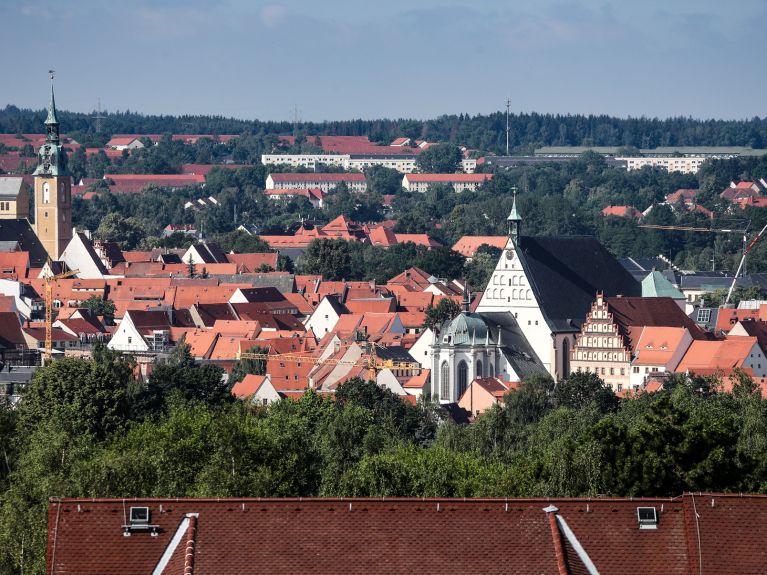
point(346, 59)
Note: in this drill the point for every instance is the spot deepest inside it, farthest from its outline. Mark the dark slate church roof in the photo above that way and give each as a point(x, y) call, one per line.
point(516, 349)
point(566, 272)
point(21, 232)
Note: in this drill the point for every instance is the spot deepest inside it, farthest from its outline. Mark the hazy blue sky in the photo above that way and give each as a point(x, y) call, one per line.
point(341, 59)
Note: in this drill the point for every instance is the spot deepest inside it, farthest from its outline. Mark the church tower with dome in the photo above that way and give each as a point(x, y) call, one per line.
point(53, 189)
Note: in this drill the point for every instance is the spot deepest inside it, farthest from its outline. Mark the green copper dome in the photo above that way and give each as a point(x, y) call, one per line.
point(465, 329)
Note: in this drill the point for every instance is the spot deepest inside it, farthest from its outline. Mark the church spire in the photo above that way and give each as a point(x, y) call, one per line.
point(514, 218)
point(52, 122)
point(466, 307)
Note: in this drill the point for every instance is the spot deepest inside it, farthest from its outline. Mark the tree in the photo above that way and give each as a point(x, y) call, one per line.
point(580, 388)
point(126, 232)
point(83, 397)
point(179, 380)
point(248, 366)
point(444, 311)
point(531, 401)
point(100, 307)
point(439, 159)
point(383, 181)
point(478, 271)
point(740, 293)
point(329, 258)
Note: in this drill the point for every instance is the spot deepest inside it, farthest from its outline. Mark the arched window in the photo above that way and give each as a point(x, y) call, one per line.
point(528, 294)
point(514, 280)
point(501, 294)
point(480, 373)
point(491, 369)
point(565, 357)
point(444, 381)
point(513, 294)
point(463, 377)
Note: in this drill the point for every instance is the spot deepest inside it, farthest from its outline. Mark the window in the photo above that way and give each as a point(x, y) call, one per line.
point(444, 391)
point(612, 371)
point(479, 373)
point(46, 195)
point(266, 402)
point(623, 371)
point(636, 369)
point(704, 316)
point(463, 376)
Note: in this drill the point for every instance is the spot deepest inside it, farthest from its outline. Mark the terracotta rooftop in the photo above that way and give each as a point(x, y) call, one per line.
point(696, 533)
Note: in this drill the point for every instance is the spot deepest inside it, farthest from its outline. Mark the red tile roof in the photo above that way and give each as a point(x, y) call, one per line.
point(695, 533)
point(248, 386)
point(317, 177)
point(622, 212)
point(449, 178)
point(468, 245)
point(204, 169)
point(133, 183)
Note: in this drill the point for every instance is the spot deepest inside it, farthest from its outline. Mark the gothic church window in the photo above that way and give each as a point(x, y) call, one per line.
point(444, 381)
point(463, 376)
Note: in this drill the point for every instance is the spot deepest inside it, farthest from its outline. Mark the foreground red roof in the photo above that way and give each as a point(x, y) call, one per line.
point(701, 533)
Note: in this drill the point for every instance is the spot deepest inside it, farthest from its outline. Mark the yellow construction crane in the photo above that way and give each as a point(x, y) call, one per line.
point(49, 312)
point(373, 362)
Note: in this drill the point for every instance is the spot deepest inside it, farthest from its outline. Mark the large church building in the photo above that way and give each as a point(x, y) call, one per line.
point(532, 309)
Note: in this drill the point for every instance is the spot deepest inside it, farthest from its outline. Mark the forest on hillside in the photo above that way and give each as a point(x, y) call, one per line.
point(481, 132)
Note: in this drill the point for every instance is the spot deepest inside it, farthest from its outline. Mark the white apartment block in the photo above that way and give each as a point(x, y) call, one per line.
point(685, 164)
point(403, 163)
point(327, 182)
point(460, 182)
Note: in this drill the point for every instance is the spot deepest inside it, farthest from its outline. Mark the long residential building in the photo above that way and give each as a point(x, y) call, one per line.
point(403, 163)
point(684, 164)
point(324, 181)
point(460, 182)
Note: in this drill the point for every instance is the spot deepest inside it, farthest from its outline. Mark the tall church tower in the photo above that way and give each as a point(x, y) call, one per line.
point(53, 189)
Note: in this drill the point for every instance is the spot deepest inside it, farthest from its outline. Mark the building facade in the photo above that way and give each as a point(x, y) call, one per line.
point(600, 348)
point(684, 164)
point(14, 198)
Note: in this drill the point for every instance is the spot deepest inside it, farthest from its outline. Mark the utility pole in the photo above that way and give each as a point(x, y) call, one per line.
point(508, 107)
point(98, 117)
